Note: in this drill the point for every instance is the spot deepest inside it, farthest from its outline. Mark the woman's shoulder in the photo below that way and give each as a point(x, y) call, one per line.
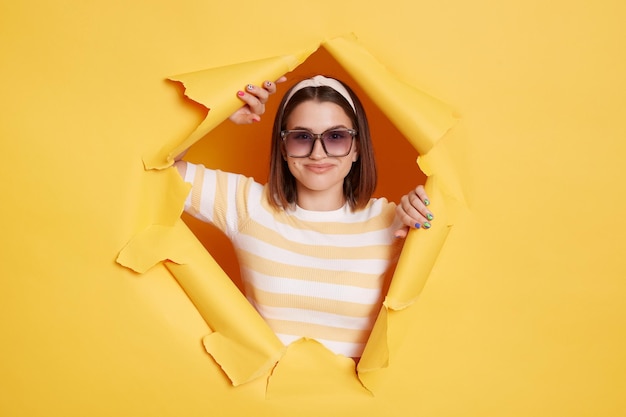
point(195, 169)
point(380, 203)
point(376, 208)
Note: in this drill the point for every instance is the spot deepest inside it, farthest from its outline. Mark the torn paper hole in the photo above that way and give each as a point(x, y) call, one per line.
point(242, 344)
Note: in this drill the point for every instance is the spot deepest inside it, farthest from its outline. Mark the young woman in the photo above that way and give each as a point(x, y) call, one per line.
point(313, 245)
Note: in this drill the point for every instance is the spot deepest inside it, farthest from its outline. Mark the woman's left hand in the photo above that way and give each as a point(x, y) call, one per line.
point(413, 211)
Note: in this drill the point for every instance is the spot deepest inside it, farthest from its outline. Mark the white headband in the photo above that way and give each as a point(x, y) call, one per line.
point(319, 81)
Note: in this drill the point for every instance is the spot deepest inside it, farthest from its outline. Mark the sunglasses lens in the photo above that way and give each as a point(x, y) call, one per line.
point(300, 143)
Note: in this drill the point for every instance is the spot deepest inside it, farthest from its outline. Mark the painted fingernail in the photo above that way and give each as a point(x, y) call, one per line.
point(250, 87)
point(268, 83)
point(426, 225)
point(240, 93)
point(417, 225)
point(426, 202)
point(429, 216)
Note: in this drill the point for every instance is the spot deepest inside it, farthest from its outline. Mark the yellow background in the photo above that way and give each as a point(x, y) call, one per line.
point(523, 313)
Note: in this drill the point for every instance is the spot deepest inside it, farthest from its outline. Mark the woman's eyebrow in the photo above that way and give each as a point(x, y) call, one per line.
point(311, 130)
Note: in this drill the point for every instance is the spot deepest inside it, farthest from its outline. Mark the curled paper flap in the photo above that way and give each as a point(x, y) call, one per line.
point(243, 344)
point(376, 353)
point(215, 89)
point(409, 279)
point(154, 245)
point(309, 369)
point(411, 274)
point(439, 166)
point(421, 118)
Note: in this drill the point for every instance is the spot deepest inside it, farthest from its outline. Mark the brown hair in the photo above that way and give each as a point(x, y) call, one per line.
point(359, 184)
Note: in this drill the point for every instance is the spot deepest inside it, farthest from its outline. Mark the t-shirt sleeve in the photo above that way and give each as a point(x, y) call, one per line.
point(218, 197)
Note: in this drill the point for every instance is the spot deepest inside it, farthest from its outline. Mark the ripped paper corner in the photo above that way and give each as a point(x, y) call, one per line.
point(309, 369)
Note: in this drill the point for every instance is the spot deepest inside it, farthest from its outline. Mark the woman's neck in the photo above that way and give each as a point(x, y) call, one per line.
point(320, 200)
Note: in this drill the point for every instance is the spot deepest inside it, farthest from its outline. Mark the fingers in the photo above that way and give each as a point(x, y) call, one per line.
point(421, 194)
point(255, 98)
point(413, 211)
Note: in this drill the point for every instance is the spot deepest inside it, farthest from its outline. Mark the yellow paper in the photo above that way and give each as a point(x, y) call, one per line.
point(215, 88)
point(309, 369)
point(243, 344)
point(421, 118)
point(522, 312)
point(259, 350)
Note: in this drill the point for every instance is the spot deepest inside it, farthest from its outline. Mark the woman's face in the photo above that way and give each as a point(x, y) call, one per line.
point(319, 177)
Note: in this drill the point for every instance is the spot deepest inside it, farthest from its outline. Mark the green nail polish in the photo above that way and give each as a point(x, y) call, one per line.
point(426, 225)
point(426, 202)
point(429, 216)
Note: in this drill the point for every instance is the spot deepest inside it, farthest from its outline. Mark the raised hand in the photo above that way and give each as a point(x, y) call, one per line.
point(254, 99)
point(413, 211)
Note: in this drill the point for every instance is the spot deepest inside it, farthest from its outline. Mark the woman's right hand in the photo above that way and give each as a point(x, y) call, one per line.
point(254, 99)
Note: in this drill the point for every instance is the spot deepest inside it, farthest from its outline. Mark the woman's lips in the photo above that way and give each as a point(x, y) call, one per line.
point(319, 168)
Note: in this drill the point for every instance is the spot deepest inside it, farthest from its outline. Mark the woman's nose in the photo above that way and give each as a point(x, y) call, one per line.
point(318, 150)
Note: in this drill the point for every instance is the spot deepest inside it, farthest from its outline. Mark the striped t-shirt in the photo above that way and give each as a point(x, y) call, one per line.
point(315, 274)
